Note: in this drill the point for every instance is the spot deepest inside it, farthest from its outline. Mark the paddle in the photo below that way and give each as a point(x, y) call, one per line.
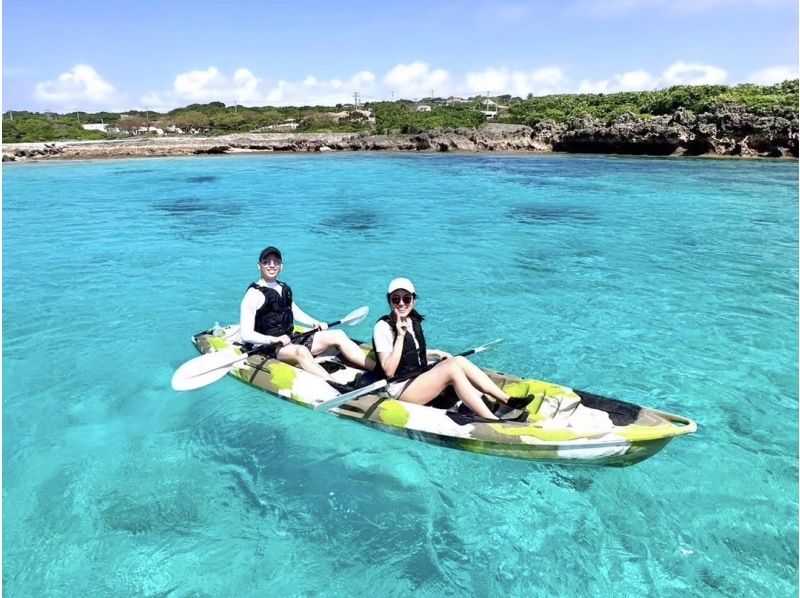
point(349, 396)
point(210, 367)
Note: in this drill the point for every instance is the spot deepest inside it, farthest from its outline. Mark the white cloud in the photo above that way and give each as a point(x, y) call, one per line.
point(772, 74)
point(199, 86)
point(639, 80)
point(210, 85)
point(499, 81)
point(417, 79)
point(246, 86)
point(314, 92)
point(82, 86)
point(79, 87)
point(635, 81)
point(364, 78)
point(681, 73)
point(587, 86)
point(489, 80)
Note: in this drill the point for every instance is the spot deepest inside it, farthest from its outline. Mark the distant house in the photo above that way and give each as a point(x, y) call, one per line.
point(491, 108)
point(456, 100)
point(155, 130)
point(340, 116)
point(289, 124)
point(360, 114)
point(99, 127)
point(423, 108)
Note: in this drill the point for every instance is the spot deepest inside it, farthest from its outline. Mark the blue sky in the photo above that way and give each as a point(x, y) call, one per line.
point(158, 55)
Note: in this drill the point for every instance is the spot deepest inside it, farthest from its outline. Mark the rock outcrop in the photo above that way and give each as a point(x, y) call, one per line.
point(723, 132)
point(726, 132)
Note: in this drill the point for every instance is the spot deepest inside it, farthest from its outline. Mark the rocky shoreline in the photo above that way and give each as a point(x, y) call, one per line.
point(726, 132)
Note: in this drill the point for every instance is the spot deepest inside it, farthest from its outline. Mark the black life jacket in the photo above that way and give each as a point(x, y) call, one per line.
point(412, 357)
point(275, 317)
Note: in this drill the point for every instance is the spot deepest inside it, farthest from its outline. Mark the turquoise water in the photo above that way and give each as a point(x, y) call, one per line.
point(669, 283)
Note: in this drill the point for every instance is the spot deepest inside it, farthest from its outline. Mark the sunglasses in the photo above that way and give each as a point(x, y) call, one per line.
point(269, 261)
point(397, 299)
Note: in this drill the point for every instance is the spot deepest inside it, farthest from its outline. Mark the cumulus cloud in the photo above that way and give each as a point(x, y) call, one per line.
point(773, 74)
point(681, 73)
point(635, 81)
point(81, 86)
point(587, 86)
point(498, 81)
point(246, 89)
point(417, 79)
point(246, 86)
point(209, 85)
point(314, 92)
point(639, 80)
point(678, 73)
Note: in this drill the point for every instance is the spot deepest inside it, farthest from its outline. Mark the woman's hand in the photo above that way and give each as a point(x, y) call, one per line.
point(284, 339)
point(401, 324)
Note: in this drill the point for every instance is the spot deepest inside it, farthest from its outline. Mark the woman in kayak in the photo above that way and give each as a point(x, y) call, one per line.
point(399, 344)
point(267, 315)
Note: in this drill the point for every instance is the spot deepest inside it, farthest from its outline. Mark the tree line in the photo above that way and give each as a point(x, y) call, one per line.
point(402, 116)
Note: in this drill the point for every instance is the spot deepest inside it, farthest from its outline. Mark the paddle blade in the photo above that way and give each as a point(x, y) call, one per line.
point(205, 369)
point(356, 316)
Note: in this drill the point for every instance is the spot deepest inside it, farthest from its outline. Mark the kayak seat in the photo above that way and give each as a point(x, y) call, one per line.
point(463, 419)
point(331, 366)
point(361, 379)
point(447, 399)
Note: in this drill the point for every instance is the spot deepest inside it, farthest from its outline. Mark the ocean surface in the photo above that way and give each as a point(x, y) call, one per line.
point(671, 283)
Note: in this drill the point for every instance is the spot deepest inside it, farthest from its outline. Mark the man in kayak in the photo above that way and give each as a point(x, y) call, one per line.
point(267, 315)
point(399, 343)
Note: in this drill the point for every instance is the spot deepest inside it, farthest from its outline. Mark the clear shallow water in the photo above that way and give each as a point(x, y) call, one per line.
point(669, 283)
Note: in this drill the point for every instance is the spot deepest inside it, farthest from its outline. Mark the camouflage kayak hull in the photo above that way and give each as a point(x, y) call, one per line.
point(564, 425)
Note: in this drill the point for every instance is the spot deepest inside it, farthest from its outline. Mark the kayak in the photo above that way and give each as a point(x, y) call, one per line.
point(563, 425)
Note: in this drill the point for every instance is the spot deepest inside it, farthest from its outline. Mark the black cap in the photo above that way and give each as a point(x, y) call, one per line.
point(267, 251)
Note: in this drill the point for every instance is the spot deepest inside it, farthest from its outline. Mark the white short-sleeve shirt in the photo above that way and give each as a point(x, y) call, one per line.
point(383, 337)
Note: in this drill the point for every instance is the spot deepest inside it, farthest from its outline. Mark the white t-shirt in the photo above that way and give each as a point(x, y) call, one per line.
point(384, 338)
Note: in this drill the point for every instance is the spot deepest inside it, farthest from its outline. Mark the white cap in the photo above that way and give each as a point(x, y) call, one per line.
point(401, 283)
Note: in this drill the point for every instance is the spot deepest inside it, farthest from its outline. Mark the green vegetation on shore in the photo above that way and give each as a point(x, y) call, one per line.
point(402, 116)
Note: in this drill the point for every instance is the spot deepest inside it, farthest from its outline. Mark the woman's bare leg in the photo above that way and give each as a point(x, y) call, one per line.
point(429, 385)
point(480, 380)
